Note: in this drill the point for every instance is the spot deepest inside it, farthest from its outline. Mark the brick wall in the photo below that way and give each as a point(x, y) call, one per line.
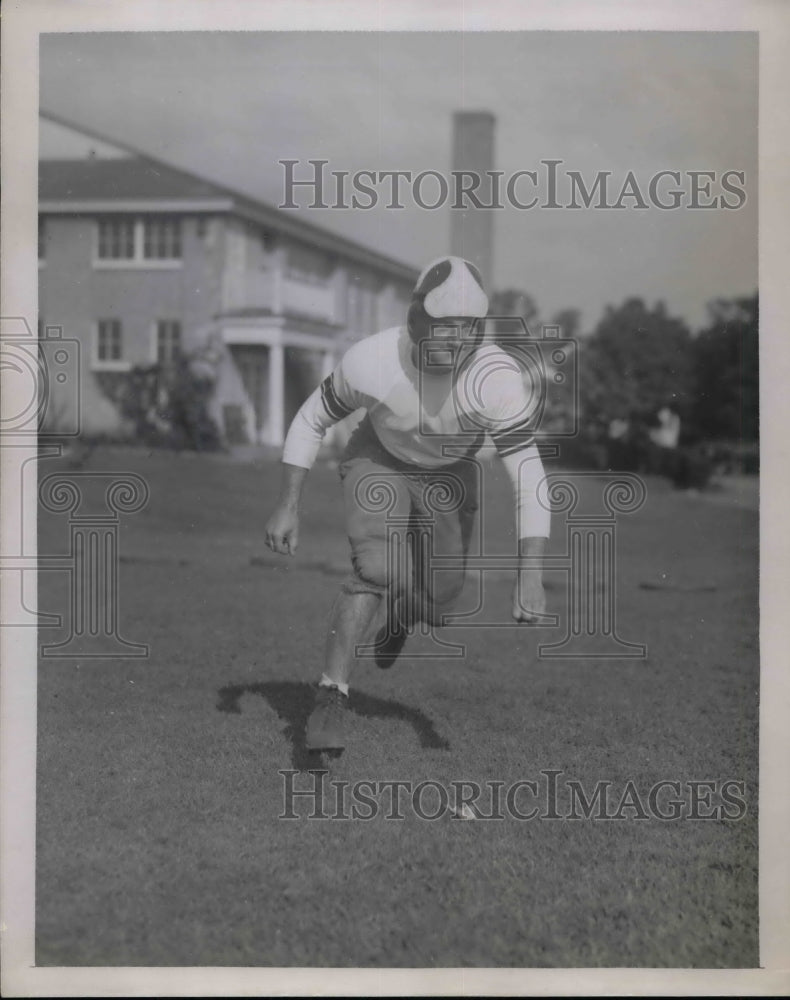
point(74, 294)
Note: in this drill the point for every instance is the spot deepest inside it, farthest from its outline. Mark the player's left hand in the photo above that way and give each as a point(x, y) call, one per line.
point(529, 597)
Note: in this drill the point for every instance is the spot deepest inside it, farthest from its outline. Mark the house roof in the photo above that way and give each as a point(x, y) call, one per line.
point(127, 179)
point(139, 182)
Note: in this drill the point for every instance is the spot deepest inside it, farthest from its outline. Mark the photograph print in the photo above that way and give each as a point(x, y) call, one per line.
point(397, 497)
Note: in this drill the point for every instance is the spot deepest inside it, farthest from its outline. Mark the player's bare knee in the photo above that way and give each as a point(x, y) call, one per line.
point(354, 585)
point(370, 568)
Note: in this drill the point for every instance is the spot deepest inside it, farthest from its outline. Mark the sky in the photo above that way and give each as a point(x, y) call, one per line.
point(230, 105)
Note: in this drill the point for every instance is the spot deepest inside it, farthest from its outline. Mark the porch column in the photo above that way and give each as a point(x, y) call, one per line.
point(276, 394)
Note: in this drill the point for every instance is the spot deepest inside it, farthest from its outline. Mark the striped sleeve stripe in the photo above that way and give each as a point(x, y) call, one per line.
point(332, 404)
point(513, 439)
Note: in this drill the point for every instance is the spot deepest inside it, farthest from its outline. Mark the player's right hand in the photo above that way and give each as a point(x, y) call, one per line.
point(282, 531)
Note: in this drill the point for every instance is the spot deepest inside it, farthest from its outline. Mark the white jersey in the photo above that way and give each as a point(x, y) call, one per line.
point(430, 421)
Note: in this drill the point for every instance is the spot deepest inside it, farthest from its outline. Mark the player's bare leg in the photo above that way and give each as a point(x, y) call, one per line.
point(352, 616)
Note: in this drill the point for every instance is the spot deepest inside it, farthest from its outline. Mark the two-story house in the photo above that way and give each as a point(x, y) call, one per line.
point(139, 260)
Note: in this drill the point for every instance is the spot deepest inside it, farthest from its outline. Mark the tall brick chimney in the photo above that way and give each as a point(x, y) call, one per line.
point(472, 229)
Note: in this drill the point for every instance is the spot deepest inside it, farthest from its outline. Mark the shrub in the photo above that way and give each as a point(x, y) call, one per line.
point(166, 405)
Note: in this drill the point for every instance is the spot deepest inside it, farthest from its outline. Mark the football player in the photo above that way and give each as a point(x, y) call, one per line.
point(432, 389)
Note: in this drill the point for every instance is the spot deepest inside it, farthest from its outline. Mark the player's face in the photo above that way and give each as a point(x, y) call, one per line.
point(439, 351)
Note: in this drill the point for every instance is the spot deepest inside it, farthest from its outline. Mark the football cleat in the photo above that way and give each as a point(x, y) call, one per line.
point(326, 724)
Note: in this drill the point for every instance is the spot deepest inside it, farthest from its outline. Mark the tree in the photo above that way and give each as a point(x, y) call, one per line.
point(726, 368)
point(513, 302)
point(637, 361)
point(568, 321)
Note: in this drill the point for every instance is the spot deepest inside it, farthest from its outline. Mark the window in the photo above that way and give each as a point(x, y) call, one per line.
point(161, 239)
point(168, 340)
point(362, 303)
point(150, 241)
point(109, 340)
point(307, 264)
point(116, 239)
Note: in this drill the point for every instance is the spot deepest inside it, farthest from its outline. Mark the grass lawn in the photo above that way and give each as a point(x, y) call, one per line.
point(159, 792)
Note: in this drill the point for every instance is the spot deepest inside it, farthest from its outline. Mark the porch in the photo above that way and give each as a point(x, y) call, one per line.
point(272, 366)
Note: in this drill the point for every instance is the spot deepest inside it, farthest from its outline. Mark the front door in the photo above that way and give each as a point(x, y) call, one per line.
point(303, 372)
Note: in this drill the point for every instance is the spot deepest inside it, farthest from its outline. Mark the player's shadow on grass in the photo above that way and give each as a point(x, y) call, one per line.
point(293, 701)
